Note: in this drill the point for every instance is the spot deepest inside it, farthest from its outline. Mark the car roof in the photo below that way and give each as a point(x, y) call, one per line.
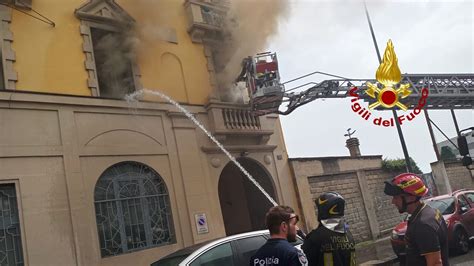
point(199, 247)
point(454, 193)
point(440, 197)
point(462, 191)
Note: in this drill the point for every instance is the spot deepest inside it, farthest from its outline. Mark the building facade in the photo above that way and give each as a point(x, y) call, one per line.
point(87, 178)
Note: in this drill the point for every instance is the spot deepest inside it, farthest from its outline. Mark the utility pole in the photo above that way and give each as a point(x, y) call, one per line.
point(455, 123)
point(430, 128)
point(395, 116)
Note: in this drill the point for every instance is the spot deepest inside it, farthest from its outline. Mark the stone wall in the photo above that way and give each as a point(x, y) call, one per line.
point(360, 181)
point(459, 176)
point(387, 215)
point(347, 185)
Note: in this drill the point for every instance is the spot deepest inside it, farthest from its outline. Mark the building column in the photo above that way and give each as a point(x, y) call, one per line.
point(193, 175)
point(75, 187)
point(441, 178)
point(367, 198)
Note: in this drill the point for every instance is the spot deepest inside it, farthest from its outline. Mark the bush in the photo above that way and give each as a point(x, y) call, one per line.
point(399, 165)
point(447, 153)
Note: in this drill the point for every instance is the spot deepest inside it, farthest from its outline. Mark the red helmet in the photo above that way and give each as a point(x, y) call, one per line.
point(406, 183)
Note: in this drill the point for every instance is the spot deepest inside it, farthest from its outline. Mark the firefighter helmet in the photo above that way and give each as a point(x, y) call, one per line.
point(406, 183)
point(330, 205)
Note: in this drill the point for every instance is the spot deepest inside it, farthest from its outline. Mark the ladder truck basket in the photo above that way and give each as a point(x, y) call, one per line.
point(264, 83)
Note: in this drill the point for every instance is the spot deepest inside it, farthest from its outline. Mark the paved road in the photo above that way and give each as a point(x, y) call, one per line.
point(464, 260)
point(381, 250)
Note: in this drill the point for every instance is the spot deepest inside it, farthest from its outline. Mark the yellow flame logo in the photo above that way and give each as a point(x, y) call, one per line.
point(389, 75)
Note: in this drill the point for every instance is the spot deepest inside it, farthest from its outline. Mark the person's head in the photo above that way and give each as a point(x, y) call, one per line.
point(281, 222)
point(406, 190)
point(330, 205)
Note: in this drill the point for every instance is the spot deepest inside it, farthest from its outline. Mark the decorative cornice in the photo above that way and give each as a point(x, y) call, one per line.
point(104, 11)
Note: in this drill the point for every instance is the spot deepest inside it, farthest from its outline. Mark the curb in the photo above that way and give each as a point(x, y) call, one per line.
point(388, 262)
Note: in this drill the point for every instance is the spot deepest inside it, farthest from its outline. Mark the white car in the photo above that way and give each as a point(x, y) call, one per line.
point(233, 250)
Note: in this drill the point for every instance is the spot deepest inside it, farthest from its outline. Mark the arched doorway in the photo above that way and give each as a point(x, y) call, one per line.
point(243, 205)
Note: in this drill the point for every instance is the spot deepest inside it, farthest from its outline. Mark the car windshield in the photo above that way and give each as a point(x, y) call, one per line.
point(177, 257)
point(445, 206)
point(170, 261)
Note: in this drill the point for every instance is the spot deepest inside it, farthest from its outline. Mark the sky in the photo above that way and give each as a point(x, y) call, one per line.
point(334, 37)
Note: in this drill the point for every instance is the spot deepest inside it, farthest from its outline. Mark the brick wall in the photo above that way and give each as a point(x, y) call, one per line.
point(386, 213)
point(458, 175)
point(347, 185)
point(314, 178)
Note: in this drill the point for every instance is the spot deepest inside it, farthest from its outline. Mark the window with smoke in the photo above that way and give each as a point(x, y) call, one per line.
point(113, 55)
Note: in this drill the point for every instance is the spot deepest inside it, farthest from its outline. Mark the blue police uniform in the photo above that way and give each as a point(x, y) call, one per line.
point(278, 251)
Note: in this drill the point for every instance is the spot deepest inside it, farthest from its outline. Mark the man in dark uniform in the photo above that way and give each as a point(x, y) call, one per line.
point(426, 235)
point(281, 221)
point(331, 243)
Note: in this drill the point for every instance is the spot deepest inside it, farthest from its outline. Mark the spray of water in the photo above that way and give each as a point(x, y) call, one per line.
point(134, 96)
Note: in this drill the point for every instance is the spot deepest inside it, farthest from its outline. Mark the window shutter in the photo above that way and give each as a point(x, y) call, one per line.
point(23, 3)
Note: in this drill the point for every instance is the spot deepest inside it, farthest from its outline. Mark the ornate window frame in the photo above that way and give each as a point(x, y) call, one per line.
point(106, 15)
point(9, 190)
point(133, 209)
point(10, 76)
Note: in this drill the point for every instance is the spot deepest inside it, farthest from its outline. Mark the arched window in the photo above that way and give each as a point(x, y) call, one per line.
point(132, 208)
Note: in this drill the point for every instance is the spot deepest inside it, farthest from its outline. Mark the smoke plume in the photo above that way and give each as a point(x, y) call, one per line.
point(248, 27)
point(114, 53)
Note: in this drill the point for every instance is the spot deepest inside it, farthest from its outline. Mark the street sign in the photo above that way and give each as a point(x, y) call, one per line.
point(201, 223)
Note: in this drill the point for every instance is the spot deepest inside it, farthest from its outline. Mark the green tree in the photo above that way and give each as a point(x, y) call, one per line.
point(399, 165)
point(447, 153)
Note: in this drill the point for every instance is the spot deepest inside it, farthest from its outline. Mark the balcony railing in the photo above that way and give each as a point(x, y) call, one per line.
point(205, 19)
point(211, 17)
point(236, 123)
point(240, 119)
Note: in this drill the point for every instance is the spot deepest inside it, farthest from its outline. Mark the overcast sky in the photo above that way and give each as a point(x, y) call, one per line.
point(333, 37)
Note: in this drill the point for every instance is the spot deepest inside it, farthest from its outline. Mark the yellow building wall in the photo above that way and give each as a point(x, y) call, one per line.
point(52, 60)
point(155, 56)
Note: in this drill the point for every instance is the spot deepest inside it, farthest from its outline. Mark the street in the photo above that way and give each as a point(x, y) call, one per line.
point(380, 252)
point(463, 260)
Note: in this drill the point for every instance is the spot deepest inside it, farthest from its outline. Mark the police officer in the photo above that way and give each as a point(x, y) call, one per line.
point(426, 235)
point(331, 243)
point(281, 221)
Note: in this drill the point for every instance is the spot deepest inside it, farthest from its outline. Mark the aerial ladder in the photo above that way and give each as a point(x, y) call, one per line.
point(269, 95)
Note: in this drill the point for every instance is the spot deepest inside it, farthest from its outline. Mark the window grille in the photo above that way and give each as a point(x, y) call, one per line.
point(11, 252)
point(132, 209)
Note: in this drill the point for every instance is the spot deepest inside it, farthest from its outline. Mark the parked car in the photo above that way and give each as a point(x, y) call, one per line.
point(457, 209)
point(231, 250)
